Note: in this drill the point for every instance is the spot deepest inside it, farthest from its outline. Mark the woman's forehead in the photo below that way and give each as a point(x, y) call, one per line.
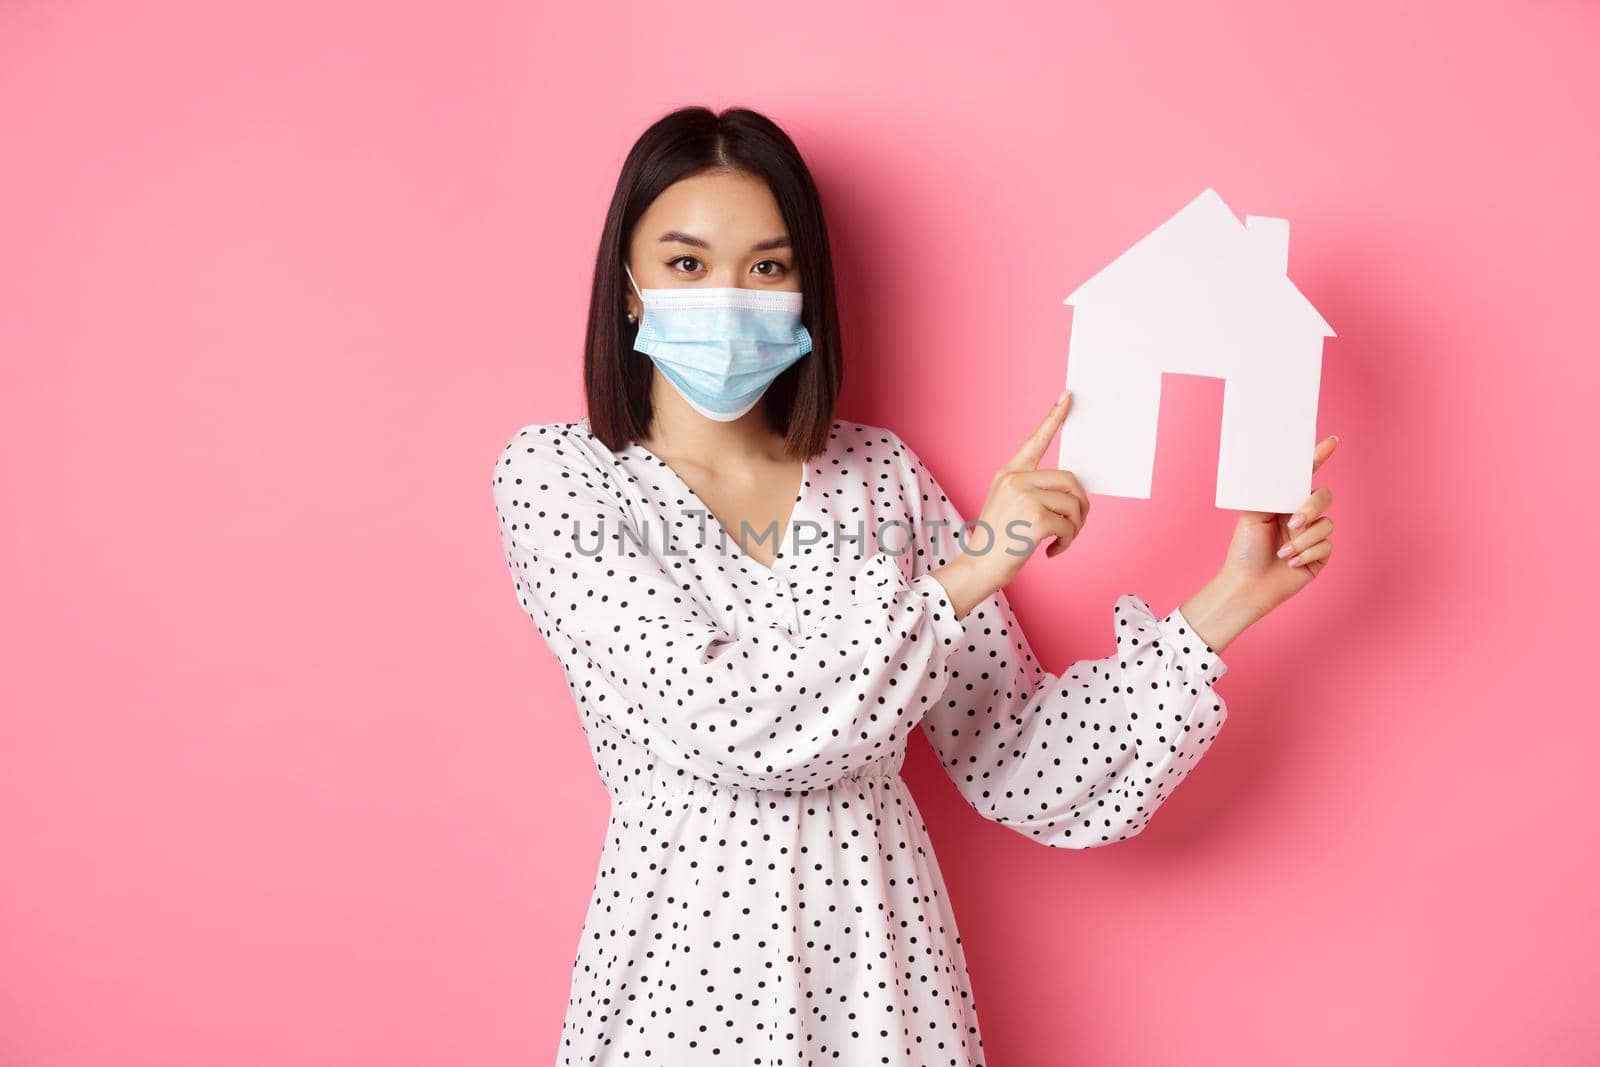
point(713, 210)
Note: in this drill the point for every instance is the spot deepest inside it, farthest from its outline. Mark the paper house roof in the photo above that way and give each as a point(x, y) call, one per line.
point(1204, 256)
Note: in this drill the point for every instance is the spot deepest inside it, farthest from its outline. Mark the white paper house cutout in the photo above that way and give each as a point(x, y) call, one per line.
point(1201, 294)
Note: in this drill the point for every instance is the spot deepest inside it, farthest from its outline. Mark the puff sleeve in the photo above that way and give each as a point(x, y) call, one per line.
point(1077, 759)
point(763, 708)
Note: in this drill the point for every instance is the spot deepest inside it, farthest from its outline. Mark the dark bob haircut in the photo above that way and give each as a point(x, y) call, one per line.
point(800, 402)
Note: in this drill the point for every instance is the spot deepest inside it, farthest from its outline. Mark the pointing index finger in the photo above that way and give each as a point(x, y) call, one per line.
point(1027, 457)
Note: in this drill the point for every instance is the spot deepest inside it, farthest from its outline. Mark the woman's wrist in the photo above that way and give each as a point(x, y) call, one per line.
point(964, 584)
point(1220, 611)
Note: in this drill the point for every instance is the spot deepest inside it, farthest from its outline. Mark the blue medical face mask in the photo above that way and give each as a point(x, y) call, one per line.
point(721, 347)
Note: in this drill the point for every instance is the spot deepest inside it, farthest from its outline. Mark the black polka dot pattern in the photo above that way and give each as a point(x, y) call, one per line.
point(767, 893)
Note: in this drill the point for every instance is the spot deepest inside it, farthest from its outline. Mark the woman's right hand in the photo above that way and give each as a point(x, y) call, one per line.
point(1027, 506)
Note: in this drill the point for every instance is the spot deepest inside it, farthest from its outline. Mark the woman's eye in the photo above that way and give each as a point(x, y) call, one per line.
point(681, 259)
point(777, 272)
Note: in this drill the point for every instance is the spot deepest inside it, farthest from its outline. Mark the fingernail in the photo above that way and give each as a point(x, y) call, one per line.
point(1335, 438)
point(1296, 521)
point(1063, 395)
point(1286, 550)
point(1295, 562)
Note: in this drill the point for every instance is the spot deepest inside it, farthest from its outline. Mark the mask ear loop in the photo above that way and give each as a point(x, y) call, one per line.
point(631, 316)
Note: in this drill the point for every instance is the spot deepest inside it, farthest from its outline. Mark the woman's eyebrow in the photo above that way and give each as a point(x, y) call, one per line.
point(679, 237)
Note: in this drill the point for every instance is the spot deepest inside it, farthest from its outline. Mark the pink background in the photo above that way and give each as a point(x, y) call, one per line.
point(287, 778)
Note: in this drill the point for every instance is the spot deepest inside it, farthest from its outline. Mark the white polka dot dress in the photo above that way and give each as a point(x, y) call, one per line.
point(767, 893)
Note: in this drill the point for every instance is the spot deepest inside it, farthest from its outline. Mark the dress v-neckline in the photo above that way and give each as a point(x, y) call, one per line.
point(784, 529)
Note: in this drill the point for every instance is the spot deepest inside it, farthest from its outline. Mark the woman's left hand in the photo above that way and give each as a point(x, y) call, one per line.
point(1274, 556)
